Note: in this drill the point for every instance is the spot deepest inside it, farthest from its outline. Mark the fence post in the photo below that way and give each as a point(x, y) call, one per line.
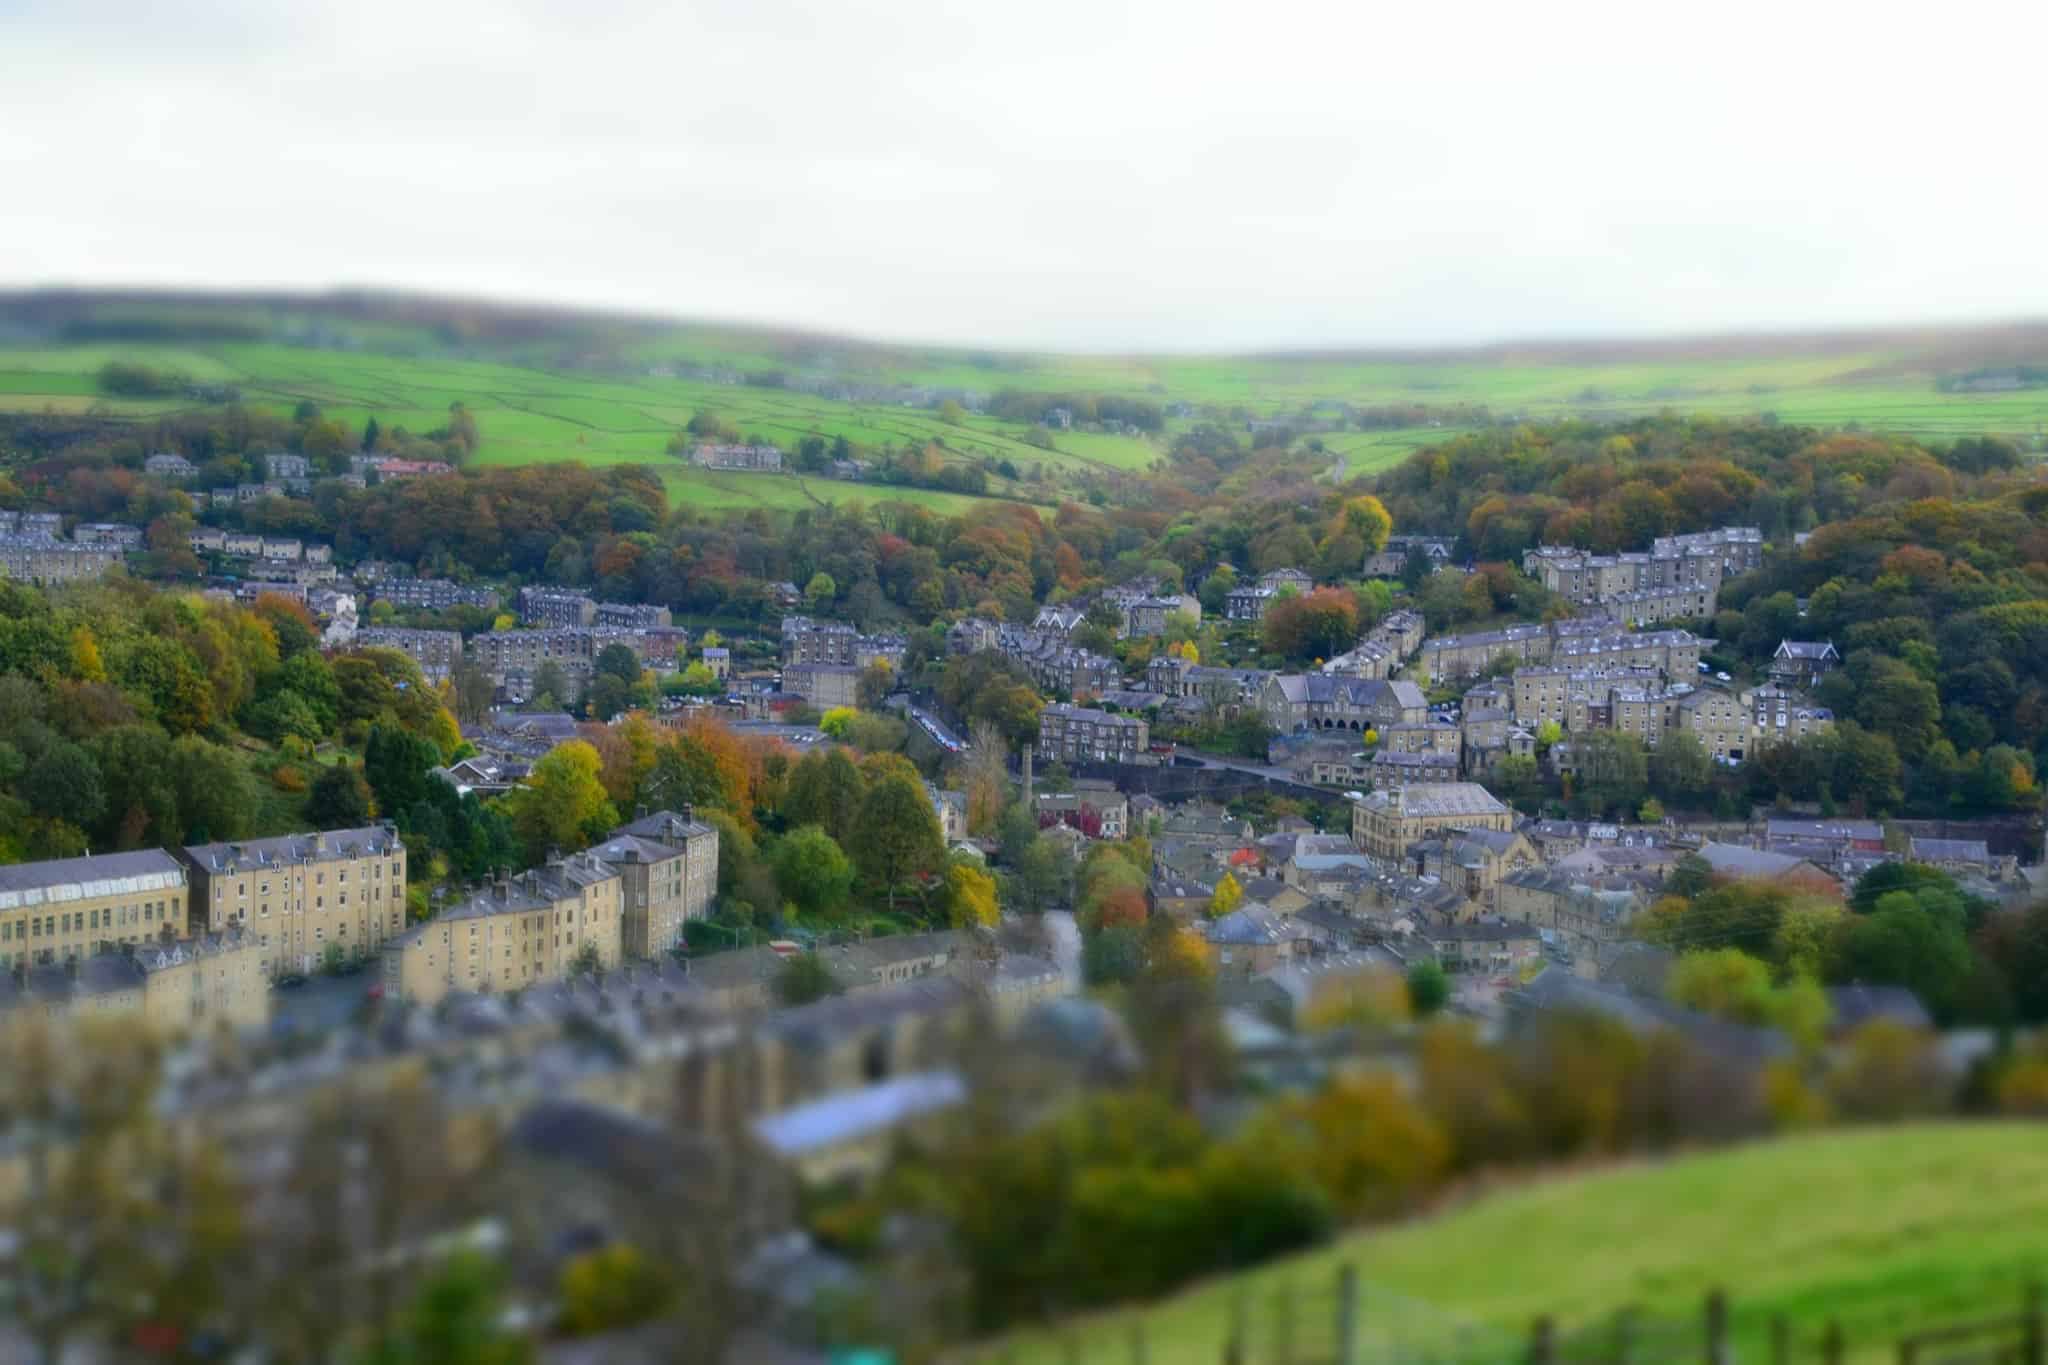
point(1781, 1341)
point(1233, 1349)
point(1624, 1334)
point(2033, 1338)
point(1543, 1342)
point(1831, 1343)
point(1347, 1314)
point(1717, 1328)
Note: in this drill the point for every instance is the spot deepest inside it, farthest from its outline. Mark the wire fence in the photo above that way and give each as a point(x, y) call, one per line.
point(1339, 1319)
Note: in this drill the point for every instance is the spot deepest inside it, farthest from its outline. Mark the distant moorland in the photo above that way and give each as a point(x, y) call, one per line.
point(608, 390)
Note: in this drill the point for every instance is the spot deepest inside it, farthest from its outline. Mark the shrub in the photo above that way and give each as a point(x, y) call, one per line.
point(1371, 1149)
point(1888, 1071)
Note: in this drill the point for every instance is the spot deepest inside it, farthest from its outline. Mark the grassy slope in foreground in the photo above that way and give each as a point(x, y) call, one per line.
point(1885, 1229)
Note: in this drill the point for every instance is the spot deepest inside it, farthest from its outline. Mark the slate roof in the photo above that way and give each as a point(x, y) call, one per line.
point(1438, 799)
point(1950, 850)
point(1251, 926)
point(1734, 860)
point(320, 846)
point(856, 1114)
point(1555, 989)
point(664, 824)
point(1855, 1006)
point(59, 879)
point(1835, 830)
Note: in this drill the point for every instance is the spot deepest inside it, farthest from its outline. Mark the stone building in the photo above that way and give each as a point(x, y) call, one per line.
point(1077, 734)
point(173, 988)
point(431, 594)
point(1780, 715)
point(509, 654)
point(70, 908)
point(298, 895)
point(1317, 701)
point(824, 686)
point(668, 870)
point(553, 607)
point(1384, 823)
point(41, 560)
point(634, 615)
point(518, 931)
point(1718, 719)
point(435, 651)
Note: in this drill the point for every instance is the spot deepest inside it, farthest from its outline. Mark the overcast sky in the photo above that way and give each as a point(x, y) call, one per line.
point(1060, 173)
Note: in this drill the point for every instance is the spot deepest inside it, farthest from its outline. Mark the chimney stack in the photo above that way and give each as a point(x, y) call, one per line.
point(1028, 749)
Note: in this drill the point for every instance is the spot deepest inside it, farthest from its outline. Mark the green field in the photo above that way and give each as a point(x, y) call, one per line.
point(1886, 1230)
point(534, 415)
point(620, 403)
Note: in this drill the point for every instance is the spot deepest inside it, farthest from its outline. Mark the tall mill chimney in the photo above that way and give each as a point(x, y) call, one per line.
point(1027, 770)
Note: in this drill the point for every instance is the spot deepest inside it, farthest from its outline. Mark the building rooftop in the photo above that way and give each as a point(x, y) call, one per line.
point(108, 874)
point(664, 824)
point(1435, 800)
point(1734, 860)
point(370, 841)
point(1951, 850)
point(856, 1114)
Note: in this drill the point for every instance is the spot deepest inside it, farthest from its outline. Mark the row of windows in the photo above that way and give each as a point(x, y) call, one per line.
point(376, 872)
point(76, 921)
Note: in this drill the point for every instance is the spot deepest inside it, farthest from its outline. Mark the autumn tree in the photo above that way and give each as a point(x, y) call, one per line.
point(986, 777)
point(1316, 625)
point(970, 895)
point(562, 805)
point(1365, 517)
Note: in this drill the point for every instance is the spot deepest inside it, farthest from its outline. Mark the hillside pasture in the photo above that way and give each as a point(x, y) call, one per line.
point(1886, 1230)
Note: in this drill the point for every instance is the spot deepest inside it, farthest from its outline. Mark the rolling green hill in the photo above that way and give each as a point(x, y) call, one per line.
point(1884, 1229)
point(608, 390)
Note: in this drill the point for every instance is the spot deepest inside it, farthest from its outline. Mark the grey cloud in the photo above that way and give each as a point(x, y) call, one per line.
point(1157, 173)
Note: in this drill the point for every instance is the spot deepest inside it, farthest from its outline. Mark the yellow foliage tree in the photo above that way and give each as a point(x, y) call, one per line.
point(610, 1288)
point(1226, 897)
point(564, 804)
point(2023, 1089)
point(86, 665)
point(1372, 1149)
point(970, 896)
point(1366, 517)
point(1180, 955)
